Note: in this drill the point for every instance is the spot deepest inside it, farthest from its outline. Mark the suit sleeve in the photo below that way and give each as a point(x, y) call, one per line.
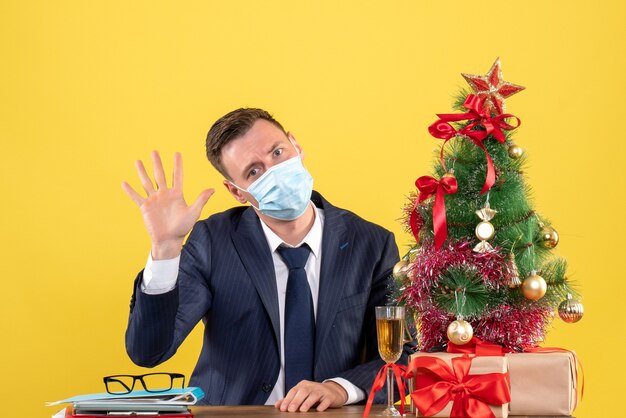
point(363, 375)
point(158, 324)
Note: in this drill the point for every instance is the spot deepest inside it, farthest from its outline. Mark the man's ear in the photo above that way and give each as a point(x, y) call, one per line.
point(235, 192)
point(295, 144)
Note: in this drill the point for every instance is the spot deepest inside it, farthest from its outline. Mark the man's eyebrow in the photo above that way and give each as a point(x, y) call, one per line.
point(274, 146)
point(253, 163)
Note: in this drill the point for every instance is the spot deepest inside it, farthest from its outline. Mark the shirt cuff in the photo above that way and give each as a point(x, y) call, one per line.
point(160, 276)
point(355, 394)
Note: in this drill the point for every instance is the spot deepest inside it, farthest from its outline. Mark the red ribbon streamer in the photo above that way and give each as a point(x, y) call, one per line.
point(436, 384)
point(379, 382)
point(429, 186)
point(479, 116)
point(415, 222)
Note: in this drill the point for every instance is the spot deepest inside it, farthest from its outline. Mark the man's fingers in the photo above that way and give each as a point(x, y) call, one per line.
point(306, 395)
point(310, 400)
point(143, 177)
point(288, 398)
point(157, 167)
point(177, 178)
point(324, 404)
point(204, 196)
point(132, 193)
point(301, 395)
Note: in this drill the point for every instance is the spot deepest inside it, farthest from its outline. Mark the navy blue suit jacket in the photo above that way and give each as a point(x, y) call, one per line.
point(227, 280)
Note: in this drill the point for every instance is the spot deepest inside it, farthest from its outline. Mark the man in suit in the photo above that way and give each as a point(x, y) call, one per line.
point(286, 287)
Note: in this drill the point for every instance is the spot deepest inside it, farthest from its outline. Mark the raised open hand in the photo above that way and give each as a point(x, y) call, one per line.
point(166, 215)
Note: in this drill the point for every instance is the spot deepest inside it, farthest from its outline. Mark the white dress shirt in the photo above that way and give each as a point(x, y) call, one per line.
point(160, 276)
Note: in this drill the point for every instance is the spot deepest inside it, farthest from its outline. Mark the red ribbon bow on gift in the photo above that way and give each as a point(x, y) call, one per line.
point(436, 384)
point(429, 186)
point(379, 382)
point(482, 348)
point(479, 116)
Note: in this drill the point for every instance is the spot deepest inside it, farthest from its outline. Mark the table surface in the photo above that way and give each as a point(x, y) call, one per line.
point(270, 411)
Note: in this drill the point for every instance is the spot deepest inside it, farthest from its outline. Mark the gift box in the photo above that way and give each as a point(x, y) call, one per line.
point(543, 383)
point(473, 385)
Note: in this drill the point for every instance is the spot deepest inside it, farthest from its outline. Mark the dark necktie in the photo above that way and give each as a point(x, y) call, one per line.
point(299, 318)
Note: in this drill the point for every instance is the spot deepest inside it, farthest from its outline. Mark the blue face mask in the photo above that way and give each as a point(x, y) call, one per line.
point(283, 191)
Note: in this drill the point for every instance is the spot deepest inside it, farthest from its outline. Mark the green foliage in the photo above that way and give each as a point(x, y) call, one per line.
point(395, 289)
point(461, 291)
point(553, 271)
point(460, 99)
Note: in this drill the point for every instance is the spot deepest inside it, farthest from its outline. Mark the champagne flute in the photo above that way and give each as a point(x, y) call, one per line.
point(390, 330)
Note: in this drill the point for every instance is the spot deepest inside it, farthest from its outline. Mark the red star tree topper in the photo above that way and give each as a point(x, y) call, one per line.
point(492, 88)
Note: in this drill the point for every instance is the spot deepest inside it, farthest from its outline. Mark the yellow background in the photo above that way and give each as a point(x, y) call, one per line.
point(87, 87)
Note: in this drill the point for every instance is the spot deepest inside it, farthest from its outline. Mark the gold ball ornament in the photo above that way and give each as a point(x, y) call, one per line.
point(534, 286)
point(549, 238)
point(449, 175)
point(515, 151)
point(460, 332)
point(400, 269)
point(571, 310)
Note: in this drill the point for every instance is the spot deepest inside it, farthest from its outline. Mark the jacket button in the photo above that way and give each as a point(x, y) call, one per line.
point(267, 387)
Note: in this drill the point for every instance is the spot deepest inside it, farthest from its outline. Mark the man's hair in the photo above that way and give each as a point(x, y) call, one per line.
point(229, 127)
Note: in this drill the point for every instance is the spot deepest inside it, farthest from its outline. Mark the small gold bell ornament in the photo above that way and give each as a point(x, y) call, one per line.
point(514, 280)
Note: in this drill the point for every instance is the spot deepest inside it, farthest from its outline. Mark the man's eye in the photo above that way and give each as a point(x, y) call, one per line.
point(278, 152)
point(253, 172)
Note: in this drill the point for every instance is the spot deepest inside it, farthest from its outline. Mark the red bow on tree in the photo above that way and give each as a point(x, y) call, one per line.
point(480, 117)
point(436, 384)
point(429, 186)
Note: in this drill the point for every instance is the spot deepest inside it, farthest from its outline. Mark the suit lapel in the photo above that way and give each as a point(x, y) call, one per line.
point(336, 250)
point(251, 245)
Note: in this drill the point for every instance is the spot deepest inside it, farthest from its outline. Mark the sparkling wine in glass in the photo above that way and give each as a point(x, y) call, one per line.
point(390, 329)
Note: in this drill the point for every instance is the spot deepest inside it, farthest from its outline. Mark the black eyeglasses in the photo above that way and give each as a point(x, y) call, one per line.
point(151, 382)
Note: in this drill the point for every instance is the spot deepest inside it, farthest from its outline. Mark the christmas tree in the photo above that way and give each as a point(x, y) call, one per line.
point(482, 263)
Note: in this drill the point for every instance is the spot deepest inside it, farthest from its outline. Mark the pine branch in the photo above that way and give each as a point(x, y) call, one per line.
point(464, 282)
